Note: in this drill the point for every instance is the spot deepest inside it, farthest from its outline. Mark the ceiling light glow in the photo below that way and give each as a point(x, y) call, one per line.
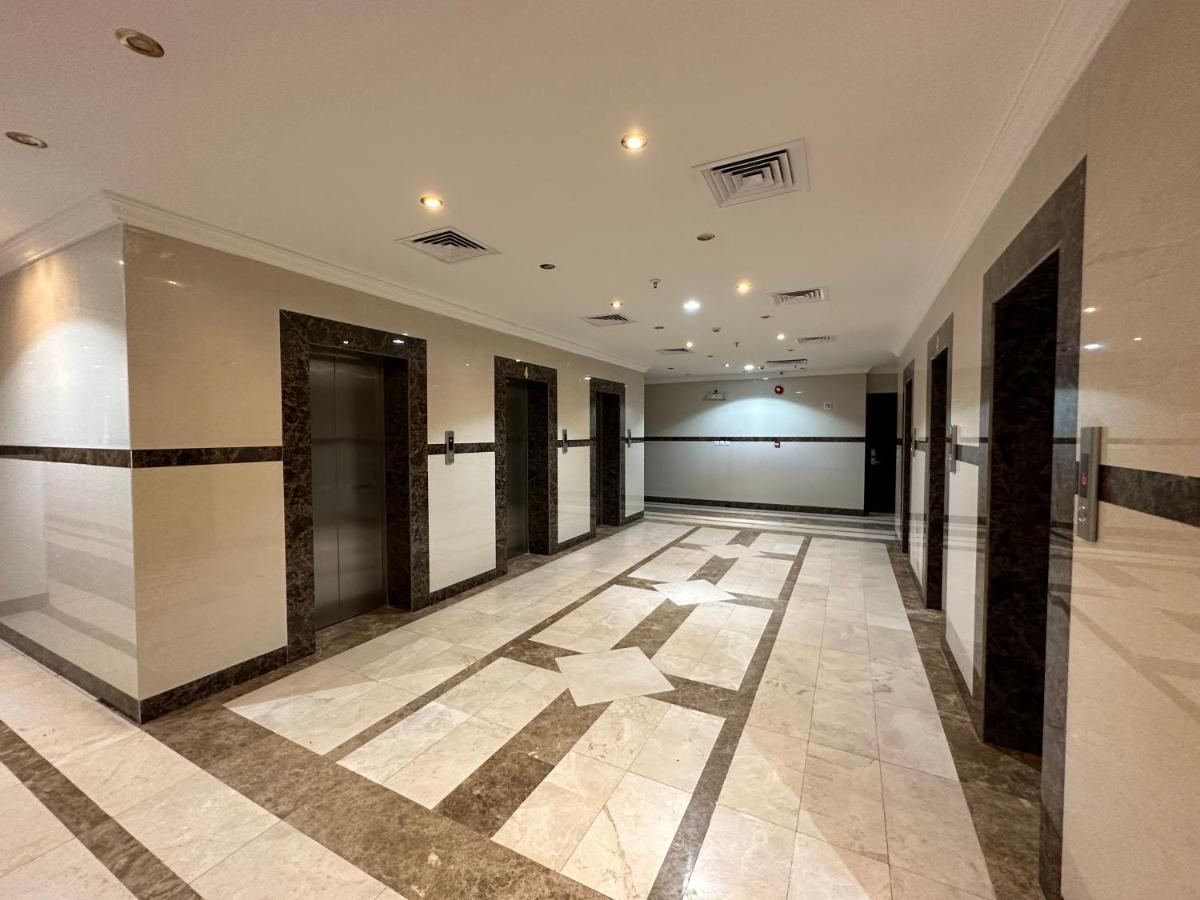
point(634, 141)
point(432, 201)
point(1092, 346)
point(1089, 309)
point(689, 344)
point(781, 336)
point(744, 286)
point(748, 367)
point(616, 303)
point(691, 304)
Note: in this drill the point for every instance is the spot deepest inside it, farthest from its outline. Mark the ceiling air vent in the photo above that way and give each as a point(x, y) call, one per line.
point(674, 351)
point(816, 339)
point(448, 245)
point(772, 363)
point(607, 320)
point(755, 176)
point(805, 295)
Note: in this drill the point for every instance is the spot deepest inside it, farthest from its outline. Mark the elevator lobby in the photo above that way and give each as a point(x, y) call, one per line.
point(656, 451)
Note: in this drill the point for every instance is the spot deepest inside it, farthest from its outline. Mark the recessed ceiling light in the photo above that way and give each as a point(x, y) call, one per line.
point(634, 141)
point(345, 342)
point(1089, 309)
point(587, 377)
point(547, 266)
point(744, 286)
point(799, 392)
point(432, 201)
point(616, 303)
point(781, 336)
point(1092, 346)
point(689, 344)
point(748, 367)
point(1138, 339)
point(172, 283)
point(705, 236)
point(27, 140)
point(691, 305)
point(727, 365)
point(397, 341)
point(140, 43)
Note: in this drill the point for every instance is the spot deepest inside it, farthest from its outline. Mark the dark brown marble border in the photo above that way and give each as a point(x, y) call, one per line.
point(597, 386)
point(205, 686)
point(204, 456)
point(406, 454)
point(1162, 494)
point(751, 505)
point(478, 447)
point(80, 456)
point(466, 584)
point(634, 517)
point(543, 484)
point(793, 439)
point(1058, 226)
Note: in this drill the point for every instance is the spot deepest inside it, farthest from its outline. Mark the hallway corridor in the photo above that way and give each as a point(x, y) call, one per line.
point(672, 710)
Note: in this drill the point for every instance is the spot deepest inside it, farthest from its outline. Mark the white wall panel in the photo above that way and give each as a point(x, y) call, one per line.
point(462, 518)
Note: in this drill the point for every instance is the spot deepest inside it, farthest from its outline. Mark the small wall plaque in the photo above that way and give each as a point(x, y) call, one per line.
point(449, 448)
point(565, 444)
point(1087, 491)
point(628, 437)
point(952, 448)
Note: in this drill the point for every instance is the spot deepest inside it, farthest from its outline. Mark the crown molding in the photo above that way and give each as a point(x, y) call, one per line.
point(109, 208)
point(67, 227)
point(1068, 48)
point(758, 376)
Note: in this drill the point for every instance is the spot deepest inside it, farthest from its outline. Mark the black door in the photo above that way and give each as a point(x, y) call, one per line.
point(906, 455)
point(608, 457)
point(881, 454)
point(935, 488)
point(517, 466)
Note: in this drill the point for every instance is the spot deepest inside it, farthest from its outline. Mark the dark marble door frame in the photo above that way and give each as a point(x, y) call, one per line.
point(603, 386)
point(941, 341)
point(543, 480)
point(1056, 227)
point(407, 504)
point(907, 448)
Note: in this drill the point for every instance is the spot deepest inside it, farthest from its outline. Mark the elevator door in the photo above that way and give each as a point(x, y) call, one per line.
point(348, 487)
point(517, 468)
point(608, 457)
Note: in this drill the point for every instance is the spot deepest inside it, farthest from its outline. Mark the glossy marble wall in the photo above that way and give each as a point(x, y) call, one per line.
point(66, 582)
point(1132, 809)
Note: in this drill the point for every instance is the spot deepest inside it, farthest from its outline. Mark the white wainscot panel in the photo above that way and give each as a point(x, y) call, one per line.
point(574, 492)
point(635, 479)
point(960, 567)
point(462, 518)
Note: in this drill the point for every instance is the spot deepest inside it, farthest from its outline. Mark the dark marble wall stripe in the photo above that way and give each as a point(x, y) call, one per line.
point(577, 442)
point(479, 447)
point(750, 504)
point(80, 456)
point(607, 467)
point(793, 439)
point(939, 354)
point(1168, 496)
point(204, 456)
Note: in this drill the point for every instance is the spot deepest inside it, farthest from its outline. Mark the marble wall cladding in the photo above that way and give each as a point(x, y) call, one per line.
point(210, 584)
point(635, 488)
point(63, 378)
point(574, 492)
point(462, 517)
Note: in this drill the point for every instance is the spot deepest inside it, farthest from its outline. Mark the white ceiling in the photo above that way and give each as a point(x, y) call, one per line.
point(315, 126)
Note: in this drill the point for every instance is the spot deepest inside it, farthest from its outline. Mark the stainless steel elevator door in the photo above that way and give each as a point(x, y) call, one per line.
point(348, 487)
point(516, 489)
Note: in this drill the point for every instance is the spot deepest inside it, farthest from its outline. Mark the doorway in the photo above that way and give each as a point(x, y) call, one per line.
point(879, 495)
point(517, 450)
point(524, 515)
point(1020, 483)
point(348, 485)
point(906, 455)
point(608, 459)
point(935, 485)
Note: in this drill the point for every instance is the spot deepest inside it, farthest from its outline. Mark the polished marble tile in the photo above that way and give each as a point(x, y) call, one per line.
point(125, 773)
point(283, 862)
point(27, 829)
point(766, 776)
point(601, 622)
point(929, 830)
point(68, 872)
point(714, 644)
point(782, 708)
point(623, 849)
point(195, 824)
point(756, 577)
point(914, 738)
point(821, 871)
point(678, 748)
point(619, 734)
point(910, 886)
point(673, 564)
point(847, 673)
point(488, 684)
point(843, 801)
point(732, 551)
point(444, 765)
point(901, 683)
point(384, 755)
point(742, 858)
point(782, 544)
point(611, 675)
point(687, 593)
point(844, 722)
point(703, 537)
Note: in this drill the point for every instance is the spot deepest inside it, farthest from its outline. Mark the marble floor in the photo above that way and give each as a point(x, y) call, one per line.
point(705, 704)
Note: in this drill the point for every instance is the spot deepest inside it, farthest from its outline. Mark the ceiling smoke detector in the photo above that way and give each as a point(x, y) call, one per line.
point(803, 295)
point(755, 176)
point(607, 320)
point(140, 43)
point(448, 245)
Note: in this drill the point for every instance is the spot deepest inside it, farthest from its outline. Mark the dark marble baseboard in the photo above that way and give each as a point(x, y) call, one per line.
point(207, 685)
point(576, 442)
point(98, 688)
point(465, 585)
point(477, 447)
point(634, 517)
point(1174, 497)
point(80, 456)
point(750, 504)
point(204, 456)
point(758, 439)
point(572, 543)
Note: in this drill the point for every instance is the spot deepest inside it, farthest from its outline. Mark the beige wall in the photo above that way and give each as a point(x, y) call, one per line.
point(203, 332)
point(1132, 819)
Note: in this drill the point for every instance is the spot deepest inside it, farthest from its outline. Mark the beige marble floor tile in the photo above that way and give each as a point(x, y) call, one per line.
point(331, 728)
point(803, 622)
point(742, 858)
point(520, 704)
point(452, 624)
point(356, 659)
point(899, 683)
point(732, 551)
point(687, 593)
point(756, 577)
point(437, 771)
point(283, 862)
point(601, 622)
point(914, 738)
point(617, 737)
point(792, 664)
point(766, 776)
point(847, 636)
point(294, 717)
point(929, 830)
point(127, 772)
point(783, 544)
point(59, 720)
point(845, 722)
point(485, 686)
point(7, 778)
point(27, 829)
point(910, 886)
point(821, 871)
point(678, 748)
point(17, 669)
point(623, 849)
point(611, 675)
point(385, 754)
point(705, 536)
point(255, 704)
point(553, 819)
point(406, 658)
point(195, 824)
point(672, 565)
point(846, 673)
point(68, 872)
point(783, 708)
point(843, 801)
point(496, 636)
point(417, 678)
